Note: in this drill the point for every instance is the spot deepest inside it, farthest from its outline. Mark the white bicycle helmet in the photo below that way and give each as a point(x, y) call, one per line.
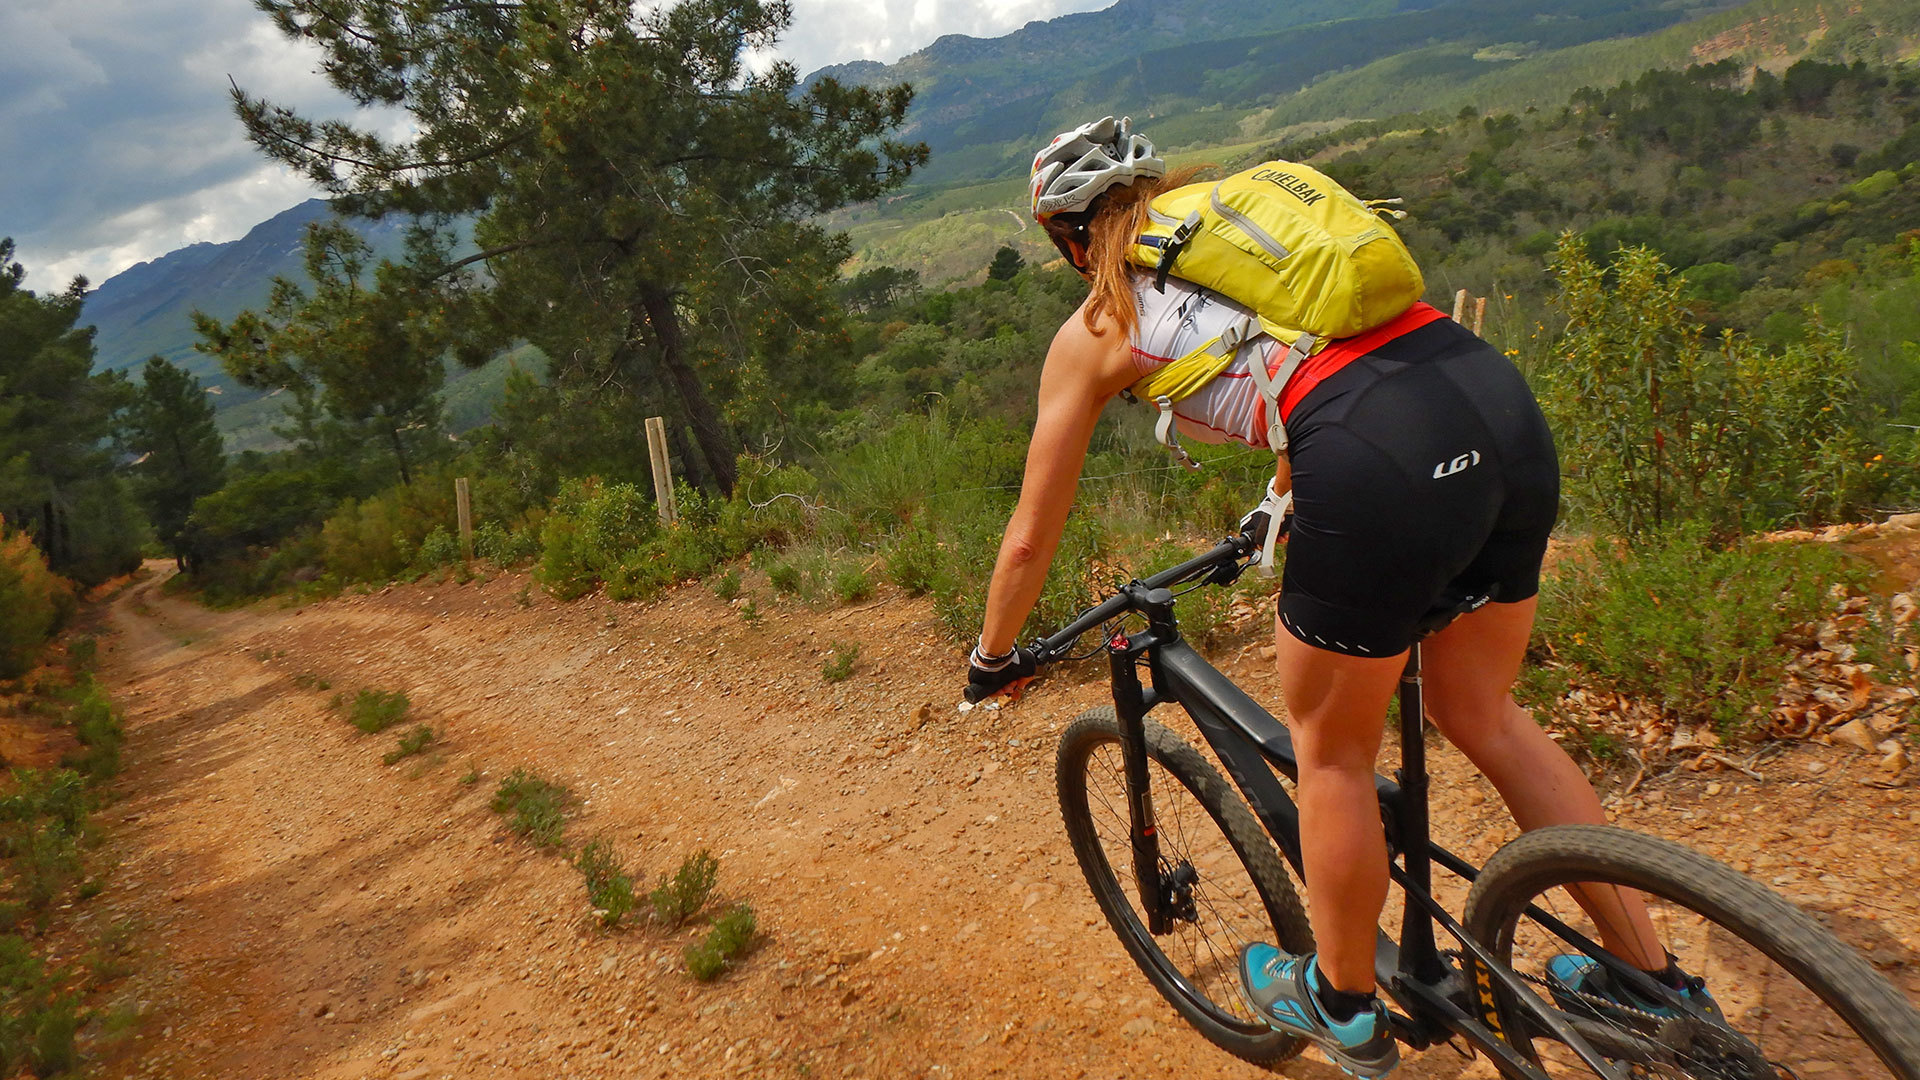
point(1078, 165)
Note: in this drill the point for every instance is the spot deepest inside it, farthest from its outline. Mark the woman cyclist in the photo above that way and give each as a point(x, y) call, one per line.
point(1422, 473)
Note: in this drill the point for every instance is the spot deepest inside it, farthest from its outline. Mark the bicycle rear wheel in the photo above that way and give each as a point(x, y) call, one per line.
point(1230, 885)
point(1794, 1001)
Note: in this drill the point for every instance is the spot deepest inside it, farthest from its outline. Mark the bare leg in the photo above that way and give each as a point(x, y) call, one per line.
point(1337, 709)
point(1470, 667)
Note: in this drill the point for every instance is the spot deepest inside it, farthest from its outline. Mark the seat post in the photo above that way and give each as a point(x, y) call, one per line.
point(1418, 953)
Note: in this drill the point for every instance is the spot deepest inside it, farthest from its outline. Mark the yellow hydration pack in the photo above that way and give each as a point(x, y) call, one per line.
point(1311, 261)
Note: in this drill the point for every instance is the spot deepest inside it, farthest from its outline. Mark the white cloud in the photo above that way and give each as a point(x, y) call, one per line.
point(834, 31)
point(120, 142)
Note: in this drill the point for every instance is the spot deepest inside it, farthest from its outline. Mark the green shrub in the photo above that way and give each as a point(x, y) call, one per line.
point(1689, 627)
point(38, 1017)
point(609, 886)
point(851, 583)
point(680, 897)
point(33, 603)
point(592, 531)
point(784, 575)
point(727, 585)
point(413, 742)
point(96, 724)
point(731, 936)
point(840, 665)
point(374, 711)
point(380, 538)
point(914, 559)
point(307, 680)
point(494, 543)
point(1660, 425)
point(83, 651)
point(535, 808)
point(438, 548)
point(42, 823)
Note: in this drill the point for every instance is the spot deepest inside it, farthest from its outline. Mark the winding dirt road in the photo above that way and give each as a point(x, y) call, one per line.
point(311, 912)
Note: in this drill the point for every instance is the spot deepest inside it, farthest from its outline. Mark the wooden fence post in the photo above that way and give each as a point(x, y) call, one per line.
point(463, 505)
point(1479, 310)
point(662, 474)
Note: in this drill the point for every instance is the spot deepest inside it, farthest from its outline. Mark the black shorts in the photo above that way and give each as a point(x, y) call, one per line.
point(1423, 472)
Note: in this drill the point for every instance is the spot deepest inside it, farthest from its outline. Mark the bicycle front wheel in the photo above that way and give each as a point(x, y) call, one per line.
point(1794, 1003)
point(1224, 880)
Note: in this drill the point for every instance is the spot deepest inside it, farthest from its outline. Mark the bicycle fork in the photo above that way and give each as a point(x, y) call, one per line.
point(1130, 705)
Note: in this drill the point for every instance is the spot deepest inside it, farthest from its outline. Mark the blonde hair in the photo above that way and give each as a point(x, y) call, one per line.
point(1119, 217)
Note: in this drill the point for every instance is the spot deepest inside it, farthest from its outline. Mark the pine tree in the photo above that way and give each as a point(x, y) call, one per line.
point(178, 453)
point(1006, 263)
point(57, 481)
point(364, 350)
point(644, 203)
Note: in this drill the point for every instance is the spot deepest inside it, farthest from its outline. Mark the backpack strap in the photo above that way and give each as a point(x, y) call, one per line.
point(1170, 250)
point(1164, 432)
point(1193, 371)
point(1270, 387)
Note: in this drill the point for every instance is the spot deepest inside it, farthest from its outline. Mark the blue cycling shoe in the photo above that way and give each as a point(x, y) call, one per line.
point(1581, 984)
point(1281, 988)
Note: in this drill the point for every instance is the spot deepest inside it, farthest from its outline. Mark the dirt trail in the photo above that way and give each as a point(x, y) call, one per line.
point(311, 912)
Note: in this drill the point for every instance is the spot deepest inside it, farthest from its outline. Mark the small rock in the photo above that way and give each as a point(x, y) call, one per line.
point(1857, 734)
point(322, 1009)
point(1816, 767)
point(1713, 788)
point(1901, 523)
point(1138, 1027)
point(1894, 763)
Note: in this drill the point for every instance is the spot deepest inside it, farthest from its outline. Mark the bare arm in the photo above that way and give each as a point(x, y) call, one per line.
point(1082, 372)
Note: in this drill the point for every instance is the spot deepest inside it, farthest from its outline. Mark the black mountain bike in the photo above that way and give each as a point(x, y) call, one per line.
point(1185, 873)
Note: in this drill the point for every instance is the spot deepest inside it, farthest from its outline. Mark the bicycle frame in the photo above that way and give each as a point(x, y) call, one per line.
point(1253, 745)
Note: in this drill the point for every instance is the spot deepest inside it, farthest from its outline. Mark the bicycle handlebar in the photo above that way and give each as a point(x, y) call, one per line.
point(1047, 650)
point(1051, 649)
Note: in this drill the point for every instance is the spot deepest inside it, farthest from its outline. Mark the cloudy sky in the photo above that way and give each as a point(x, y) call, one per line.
point(117, 144)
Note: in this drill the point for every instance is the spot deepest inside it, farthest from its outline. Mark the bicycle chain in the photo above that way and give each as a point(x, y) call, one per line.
point(1597, 1002)
point(1557, 990)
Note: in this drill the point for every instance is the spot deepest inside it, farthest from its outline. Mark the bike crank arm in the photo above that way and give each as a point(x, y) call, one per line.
point(1489, 971)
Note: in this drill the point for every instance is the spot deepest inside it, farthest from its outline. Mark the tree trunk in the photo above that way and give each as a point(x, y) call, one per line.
point(400, 454)
point(716, 445)
point(677, 439)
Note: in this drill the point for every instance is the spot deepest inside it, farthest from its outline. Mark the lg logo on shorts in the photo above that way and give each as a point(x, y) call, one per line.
point(1464, 461)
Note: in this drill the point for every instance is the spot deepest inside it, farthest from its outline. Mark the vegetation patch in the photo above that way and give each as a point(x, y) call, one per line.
point(730, 938)
point(96, 724)
point(413, 742)
point(374, 711)
point(839, 666)
point(681, 896)
point(534, 808)
point(609, 886)
point(1699, 631)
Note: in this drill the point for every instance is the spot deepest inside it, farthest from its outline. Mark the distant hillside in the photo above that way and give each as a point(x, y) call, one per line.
point(1228, 100)
point(147, 310)
point(1198, 68)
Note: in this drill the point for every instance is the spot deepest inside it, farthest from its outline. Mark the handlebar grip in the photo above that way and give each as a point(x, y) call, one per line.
point(973, 695)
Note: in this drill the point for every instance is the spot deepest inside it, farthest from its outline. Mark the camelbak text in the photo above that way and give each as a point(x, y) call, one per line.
point(1292, 185)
